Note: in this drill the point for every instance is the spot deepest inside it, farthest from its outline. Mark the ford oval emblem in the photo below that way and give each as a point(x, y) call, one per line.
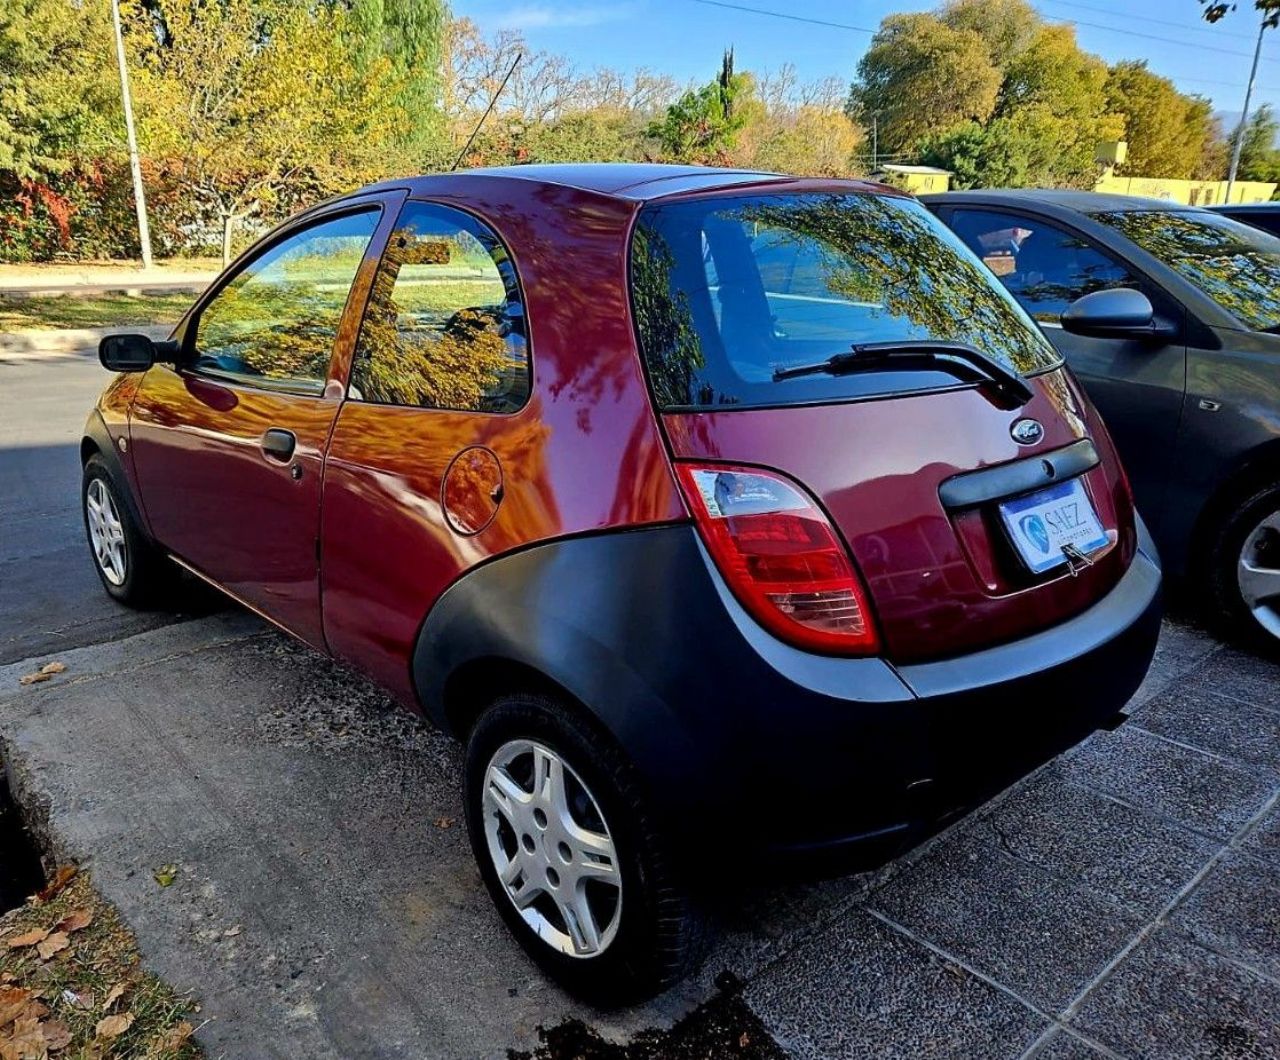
point(1027, 432)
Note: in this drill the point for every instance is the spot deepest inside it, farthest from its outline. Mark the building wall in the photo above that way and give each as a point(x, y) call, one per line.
point(1189, 192)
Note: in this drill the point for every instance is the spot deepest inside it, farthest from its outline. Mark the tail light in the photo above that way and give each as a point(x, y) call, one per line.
point(781, 557)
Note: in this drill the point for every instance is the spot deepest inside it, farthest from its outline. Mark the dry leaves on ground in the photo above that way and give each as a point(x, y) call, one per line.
point(43, 674)
point(114, 1026)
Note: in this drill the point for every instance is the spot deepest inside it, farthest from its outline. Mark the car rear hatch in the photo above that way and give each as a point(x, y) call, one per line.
point(846, 344)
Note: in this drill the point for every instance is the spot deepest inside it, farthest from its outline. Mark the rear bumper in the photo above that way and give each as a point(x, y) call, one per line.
point(744, 741)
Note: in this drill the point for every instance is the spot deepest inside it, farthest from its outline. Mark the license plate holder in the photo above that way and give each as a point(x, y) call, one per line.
point(1041, 523)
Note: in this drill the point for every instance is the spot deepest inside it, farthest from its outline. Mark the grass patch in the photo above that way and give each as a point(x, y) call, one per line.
point(72, 985)
point(96, 311)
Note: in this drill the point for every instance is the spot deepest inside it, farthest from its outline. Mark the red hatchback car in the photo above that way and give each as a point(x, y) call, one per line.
point(723, 515)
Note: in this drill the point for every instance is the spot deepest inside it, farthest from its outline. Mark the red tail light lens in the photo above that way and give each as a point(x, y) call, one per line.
point(781, 557)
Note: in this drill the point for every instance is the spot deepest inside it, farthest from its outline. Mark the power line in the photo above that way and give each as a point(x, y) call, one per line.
point(790, 18)
point(1111, 29)
point(1149, 21)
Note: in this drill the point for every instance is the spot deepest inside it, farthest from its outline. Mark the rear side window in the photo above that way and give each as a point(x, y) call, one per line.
point(728, 292)
point(444, 327)
point(1045, 267)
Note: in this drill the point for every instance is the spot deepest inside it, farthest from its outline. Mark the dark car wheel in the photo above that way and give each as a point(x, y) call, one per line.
point(570, 854)
point(1245, 576)
point(131, 569)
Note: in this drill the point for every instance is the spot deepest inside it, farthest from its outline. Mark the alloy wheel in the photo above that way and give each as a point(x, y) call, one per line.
point(551, 848)
point(106, 532)
point(1258, 573)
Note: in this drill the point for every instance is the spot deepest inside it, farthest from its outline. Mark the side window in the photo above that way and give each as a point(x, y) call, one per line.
point(273, 325)
point(445, 326)
point(1045, 267)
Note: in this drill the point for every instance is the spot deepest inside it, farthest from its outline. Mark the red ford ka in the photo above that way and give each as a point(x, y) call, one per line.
point(725, 516)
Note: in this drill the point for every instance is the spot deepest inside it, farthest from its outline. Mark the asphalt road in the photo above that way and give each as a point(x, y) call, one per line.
point(1120, 902)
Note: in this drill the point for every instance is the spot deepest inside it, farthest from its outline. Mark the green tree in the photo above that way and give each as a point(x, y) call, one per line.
point(56, 90)
point(1168, 132)
point(1007, 27)
point(254, 107)
point(1215, 11)
point(1259, 155)
point(703, 125)
point(921, 78)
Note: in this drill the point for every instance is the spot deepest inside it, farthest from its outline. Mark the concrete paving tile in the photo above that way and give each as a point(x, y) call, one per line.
point(1172, 998)
point(1242, 675)
point(1023, 926)
point(1264, 841)
point(862, 989)
point(1181, 646)
point(1205, 793)
point(1091, 841)
point(1228, 727)
point(1236, 910)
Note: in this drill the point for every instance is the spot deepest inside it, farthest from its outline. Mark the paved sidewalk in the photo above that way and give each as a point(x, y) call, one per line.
point(1121, 902)
point(90, 278)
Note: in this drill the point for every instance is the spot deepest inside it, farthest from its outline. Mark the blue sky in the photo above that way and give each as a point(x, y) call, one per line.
point(684, 37)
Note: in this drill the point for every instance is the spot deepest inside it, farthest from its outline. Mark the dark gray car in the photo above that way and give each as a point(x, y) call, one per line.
point(1170, 316)
point(1264, 215)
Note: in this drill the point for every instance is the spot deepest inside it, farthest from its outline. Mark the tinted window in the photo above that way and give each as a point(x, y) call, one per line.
point(729, 291)
point(445, 323)
point(1234, 264)
point(1045, 267)
point(274, 323)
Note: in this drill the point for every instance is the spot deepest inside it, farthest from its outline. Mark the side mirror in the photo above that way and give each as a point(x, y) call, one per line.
point(1118, 313)
point(133, 353)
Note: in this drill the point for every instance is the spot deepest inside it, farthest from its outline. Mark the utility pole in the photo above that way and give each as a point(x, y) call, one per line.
point(1244, 118)
point(875, 143)
point(139, 198)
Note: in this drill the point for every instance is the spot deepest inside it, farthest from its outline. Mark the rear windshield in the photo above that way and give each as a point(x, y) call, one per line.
point(729, 291)
point(1236, 265)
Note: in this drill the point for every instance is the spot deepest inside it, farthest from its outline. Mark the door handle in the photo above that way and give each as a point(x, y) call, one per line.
point(279, 444)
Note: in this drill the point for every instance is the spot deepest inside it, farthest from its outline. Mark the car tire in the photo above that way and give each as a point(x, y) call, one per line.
point(648, 934)
point(1245, 565)
point(132, 570)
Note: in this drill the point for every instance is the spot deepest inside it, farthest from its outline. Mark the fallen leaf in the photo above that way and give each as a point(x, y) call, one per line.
point(176, 1037)
point(30, 938)
point(113, 1026)
point(113, 995)
point(444, 823)
point(36, 1010)
point(13, 1000)
point(166, 874)
point(56, 1035)
point(64, 875)
point(232, 932)
point(76, 920)
point(744, 1040)
point(43, 674)
point(27, 1039)
point(55, 943)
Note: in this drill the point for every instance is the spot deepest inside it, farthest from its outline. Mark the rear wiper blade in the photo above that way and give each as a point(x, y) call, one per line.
point(961, 360)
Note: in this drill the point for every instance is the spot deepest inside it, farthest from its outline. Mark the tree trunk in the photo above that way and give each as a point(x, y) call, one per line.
point(228, 222)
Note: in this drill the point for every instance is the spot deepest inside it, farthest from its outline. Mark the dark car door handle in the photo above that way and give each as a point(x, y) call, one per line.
point(279, 444)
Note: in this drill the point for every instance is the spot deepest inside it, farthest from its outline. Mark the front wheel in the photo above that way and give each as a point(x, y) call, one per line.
point(570, 854)
point(132, 570)
point(1246, 568)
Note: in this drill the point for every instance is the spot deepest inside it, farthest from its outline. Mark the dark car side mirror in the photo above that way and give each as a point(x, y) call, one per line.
point(134, 353)
point(1117, 313)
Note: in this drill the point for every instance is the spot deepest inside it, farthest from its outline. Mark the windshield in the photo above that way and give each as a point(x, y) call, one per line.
point(1236, 265)
point(730, 292)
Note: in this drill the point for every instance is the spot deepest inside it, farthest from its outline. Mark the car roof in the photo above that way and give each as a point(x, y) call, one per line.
point(1086, 202)
point(636, 181)
point(1247, 207)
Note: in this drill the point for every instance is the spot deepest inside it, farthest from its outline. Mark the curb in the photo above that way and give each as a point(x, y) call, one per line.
point(53, 341)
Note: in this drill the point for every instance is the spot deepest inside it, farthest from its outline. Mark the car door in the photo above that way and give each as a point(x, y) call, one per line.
point(435, 459)
point(1138, 386)
point(229, 443)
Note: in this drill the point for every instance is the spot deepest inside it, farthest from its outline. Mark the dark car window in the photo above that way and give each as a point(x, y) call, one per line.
point(445, 324)
point(728, 291)
point(1268, 220)
point(274, 323)
point(1045, 267)
point(1234, 264)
